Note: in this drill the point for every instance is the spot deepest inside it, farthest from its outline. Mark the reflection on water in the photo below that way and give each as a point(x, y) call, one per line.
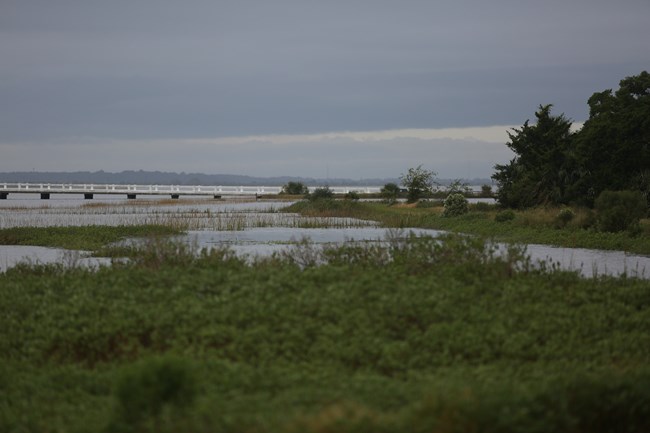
point(248, 227)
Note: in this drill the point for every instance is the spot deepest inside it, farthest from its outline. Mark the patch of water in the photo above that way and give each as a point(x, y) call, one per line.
point(11, 255)
point(266, 241)
point(592, 263)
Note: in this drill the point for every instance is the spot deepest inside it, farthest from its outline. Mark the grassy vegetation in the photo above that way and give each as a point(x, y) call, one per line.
point(420, 336)
point(541, 225)
point(88, 238)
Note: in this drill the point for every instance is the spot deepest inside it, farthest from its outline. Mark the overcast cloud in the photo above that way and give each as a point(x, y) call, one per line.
point(274, 87)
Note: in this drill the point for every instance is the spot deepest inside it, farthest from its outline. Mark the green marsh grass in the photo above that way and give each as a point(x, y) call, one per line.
point(79, 238)
point(531, 226)
point(421, 335)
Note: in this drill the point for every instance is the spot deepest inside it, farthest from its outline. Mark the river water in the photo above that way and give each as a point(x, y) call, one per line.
point(248, 227)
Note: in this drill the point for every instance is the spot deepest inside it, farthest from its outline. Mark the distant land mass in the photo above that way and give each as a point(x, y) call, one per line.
point(171, 178)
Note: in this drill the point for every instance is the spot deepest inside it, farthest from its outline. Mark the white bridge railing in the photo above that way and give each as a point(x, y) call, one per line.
point(173, 190)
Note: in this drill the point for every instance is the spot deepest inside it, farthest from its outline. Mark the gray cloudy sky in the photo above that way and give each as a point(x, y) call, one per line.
point(349, 88)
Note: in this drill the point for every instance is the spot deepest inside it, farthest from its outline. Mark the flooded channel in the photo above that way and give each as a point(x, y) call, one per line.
point(251, 228)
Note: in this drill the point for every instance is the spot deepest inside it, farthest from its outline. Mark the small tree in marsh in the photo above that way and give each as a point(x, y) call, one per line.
point(455, 205)
point(419, 182)
point(295, 188)
point(390, 192)
point(324, 193)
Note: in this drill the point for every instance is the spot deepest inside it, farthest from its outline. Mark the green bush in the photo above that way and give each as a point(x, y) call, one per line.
point(390, 192)
point(455, 205)
point(323, 193)
point(504, 215)
point(294, 188)
point(148, 387)
point(352, 195)
point(565, 216)
point(620, 210)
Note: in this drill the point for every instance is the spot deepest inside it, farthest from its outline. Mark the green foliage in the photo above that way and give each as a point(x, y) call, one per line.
point(352, 195)
point(295, 188)
point(613, 146)
point(458, 187)
point(324, 193)
point(148, 387)
point(620, 210)
point(419, 183)
point(455, 205)
point(565, 216)
point(541, 170)
point(537, 225)
point(390, 192)
point(80, 237)
point(486, 191)
point(504, 215)
point(610, 152)
point(416, 335)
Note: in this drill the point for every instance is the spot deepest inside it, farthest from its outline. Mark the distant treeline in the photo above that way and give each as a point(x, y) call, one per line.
point(171, 178)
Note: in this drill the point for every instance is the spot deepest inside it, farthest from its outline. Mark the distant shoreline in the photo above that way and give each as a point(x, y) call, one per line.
point(172, 178)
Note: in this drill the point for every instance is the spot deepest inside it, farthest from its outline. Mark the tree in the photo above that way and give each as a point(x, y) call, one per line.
point(390, 192)
point(613, 147)
point(322, 193)
point(543, 167)
point(458, 187)
point(418, 182)
point(295, 188)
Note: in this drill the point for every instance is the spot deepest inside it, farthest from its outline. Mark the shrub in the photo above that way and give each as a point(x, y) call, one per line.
point(147, 387)
point(455, 205)
point(352, 195)
point(486, 191)
point(294, 188)
point(323, 193)
point(565, 216)
point(390, 192)
point(620, 210)
point(504, 215)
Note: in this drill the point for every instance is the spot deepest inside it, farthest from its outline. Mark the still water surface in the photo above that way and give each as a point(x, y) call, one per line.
point(261, 230)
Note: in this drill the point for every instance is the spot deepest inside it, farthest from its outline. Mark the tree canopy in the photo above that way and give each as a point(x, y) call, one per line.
point(552, 165)
point(418, 182)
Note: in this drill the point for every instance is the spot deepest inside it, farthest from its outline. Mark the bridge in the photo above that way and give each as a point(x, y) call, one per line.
point(174, 191)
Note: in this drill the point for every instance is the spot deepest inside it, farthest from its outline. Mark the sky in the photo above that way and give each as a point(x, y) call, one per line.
point(337, 88)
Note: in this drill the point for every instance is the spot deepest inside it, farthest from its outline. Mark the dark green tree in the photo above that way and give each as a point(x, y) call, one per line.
point(321, 193)
point(295, 188)
point(543, 168)
point(390, 192)
point(613, 147)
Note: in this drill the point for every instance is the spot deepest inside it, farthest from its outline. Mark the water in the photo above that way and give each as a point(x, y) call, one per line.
point(11, 255)
point(248, 227)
